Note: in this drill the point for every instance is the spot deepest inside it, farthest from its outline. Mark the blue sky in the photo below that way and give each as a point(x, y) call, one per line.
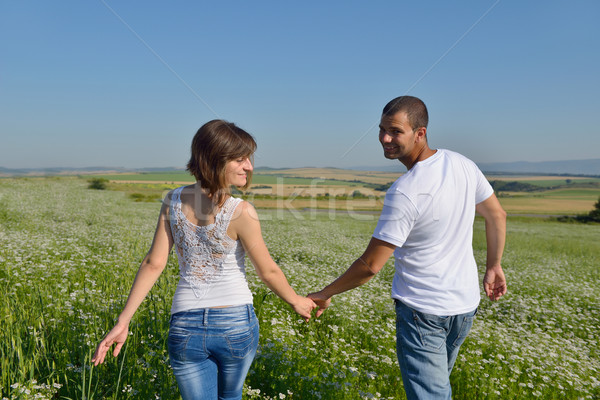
point(127, 84)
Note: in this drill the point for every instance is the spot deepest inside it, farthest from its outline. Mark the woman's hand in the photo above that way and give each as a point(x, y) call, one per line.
point(117, 335)
point(304, 306)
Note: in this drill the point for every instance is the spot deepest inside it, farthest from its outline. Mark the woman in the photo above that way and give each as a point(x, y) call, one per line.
point(213, 332)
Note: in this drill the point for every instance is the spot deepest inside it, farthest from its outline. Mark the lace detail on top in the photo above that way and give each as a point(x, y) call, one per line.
point(201, 250)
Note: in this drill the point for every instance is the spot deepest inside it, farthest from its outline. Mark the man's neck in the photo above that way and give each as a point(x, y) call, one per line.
point(424, 153)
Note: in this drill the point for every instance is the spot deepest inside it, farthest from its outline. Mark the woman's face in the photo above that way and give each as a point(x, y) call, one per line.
point(236, 171)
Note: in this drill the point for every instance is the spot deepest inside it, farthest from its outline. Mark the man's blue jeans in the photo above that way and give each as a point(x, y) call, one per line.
point(427, 346)
point(211, 350)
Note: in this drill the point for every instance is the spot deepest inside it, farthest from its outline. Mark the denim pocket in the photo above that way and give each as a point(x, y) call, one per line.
point(242, 342)
point(177, 343)
point(465, 327)
point(431, 329)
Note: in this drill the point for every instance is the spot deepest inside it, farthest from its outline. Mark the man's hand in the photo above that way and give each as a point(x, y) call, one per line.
point(494, 282)
point(321, 300)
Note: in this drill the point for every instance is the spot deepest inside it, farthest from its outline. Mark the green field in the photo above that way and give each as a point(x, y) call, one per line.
point(304, 176)
point(551, 181)
point(69, 255)
point(553, 196)
point(257, 179)
point(171, 176)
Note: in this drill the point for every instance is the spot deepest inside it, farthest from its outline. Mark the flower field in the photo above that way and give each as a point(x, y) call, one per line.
point(68, 256)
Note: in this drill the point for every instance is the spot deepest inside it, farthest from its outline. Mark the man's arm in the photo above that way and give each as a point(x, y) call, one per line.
point(494, 281)
point(360, 272)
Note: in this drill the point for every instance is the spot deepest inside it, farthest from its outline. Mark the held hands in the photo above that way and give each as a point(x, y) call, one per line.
point(321, 300)
point(117, 335)
point(494, 282)
point(304, 306)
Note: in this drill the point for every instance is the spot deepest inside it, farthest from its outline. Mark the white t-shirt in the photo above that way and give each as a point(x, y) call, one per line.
point(428, 214)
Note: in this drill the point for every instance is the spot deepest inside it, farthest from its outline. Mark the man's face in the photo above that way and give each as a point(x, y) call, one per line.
point(396, 136)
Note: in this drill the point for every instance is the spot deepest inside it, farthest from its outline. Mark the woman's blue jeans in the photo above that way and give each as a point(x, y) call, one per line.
point(211, 350)
point(427, 346)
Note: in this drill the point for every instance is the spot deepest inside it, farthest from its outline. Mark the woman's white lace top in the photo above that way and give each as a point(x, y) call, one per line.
point(211, 264)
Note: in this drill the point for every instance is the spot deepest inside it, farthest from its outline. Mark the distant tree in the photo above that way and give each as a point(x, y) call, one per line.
point(97, 183)
point(383, 187)
point(513, 186)
point(594, 215)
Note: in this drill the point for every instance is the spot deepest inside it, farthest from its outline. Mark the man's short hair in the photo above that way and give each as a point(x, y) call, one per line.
point(414, 108)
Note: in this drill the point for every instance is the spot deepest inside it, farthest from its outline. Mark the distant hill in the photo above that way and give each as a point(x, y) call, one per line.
point(568, 167)
point(75, 171)
point(590, 167)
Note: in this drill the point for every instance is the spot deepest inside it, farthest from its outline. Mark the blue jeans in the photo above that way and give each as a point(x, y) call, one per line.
point(211, 350)
point(427, 346)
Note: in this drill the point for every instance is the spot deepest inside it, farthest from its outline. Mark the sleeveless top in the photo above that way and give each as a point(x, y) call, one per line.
point(211, 264)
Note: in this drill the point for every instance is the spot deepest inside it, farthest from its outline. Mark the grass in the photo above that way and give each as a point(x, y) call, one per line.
point(69, 255)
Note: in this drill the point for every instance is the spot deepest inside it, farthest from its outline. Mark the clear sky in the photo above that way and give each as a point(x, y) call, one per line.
point(128, 83)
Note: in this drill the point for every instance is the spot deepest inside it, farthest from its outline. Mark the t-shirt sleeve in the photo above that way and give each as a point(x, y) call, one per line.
point(397, 219)
point(483, 190)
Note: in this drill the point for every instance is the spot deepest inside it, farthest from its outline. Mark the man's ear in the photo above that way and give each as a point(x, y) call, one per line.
point(421, 134)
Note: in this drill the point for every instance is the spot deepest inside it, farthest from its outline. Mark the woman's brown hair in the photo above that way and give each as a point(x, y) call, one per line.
point(216, 143)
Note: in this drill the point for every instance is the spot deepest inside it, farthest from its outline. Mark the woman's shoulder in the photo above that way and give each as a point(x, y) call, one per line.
point(244, 210)
point(243, 219)
point(241, 206)
point(174, 194)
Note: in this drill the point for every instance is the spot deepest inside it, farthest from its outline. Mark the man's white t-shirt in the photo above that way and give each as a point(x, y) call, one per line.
point(428, 214)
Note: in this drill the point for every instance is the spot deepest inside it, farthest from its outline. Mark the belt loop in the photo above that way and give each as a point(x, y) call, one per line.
point(249, 311)
point(205, 316)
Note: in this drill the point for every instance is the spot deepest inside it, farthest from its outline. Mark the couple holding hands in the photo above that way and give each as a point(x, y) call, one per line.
point(426, 223)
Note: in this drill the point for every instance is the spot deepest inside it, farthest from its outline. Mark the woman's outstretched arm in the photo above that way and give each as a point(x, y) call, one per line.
point(246, 226)
point(150, 269)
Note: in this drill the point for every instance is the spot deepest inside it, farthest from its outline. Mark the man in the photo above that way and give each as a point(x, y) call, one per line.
point(427, 223)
